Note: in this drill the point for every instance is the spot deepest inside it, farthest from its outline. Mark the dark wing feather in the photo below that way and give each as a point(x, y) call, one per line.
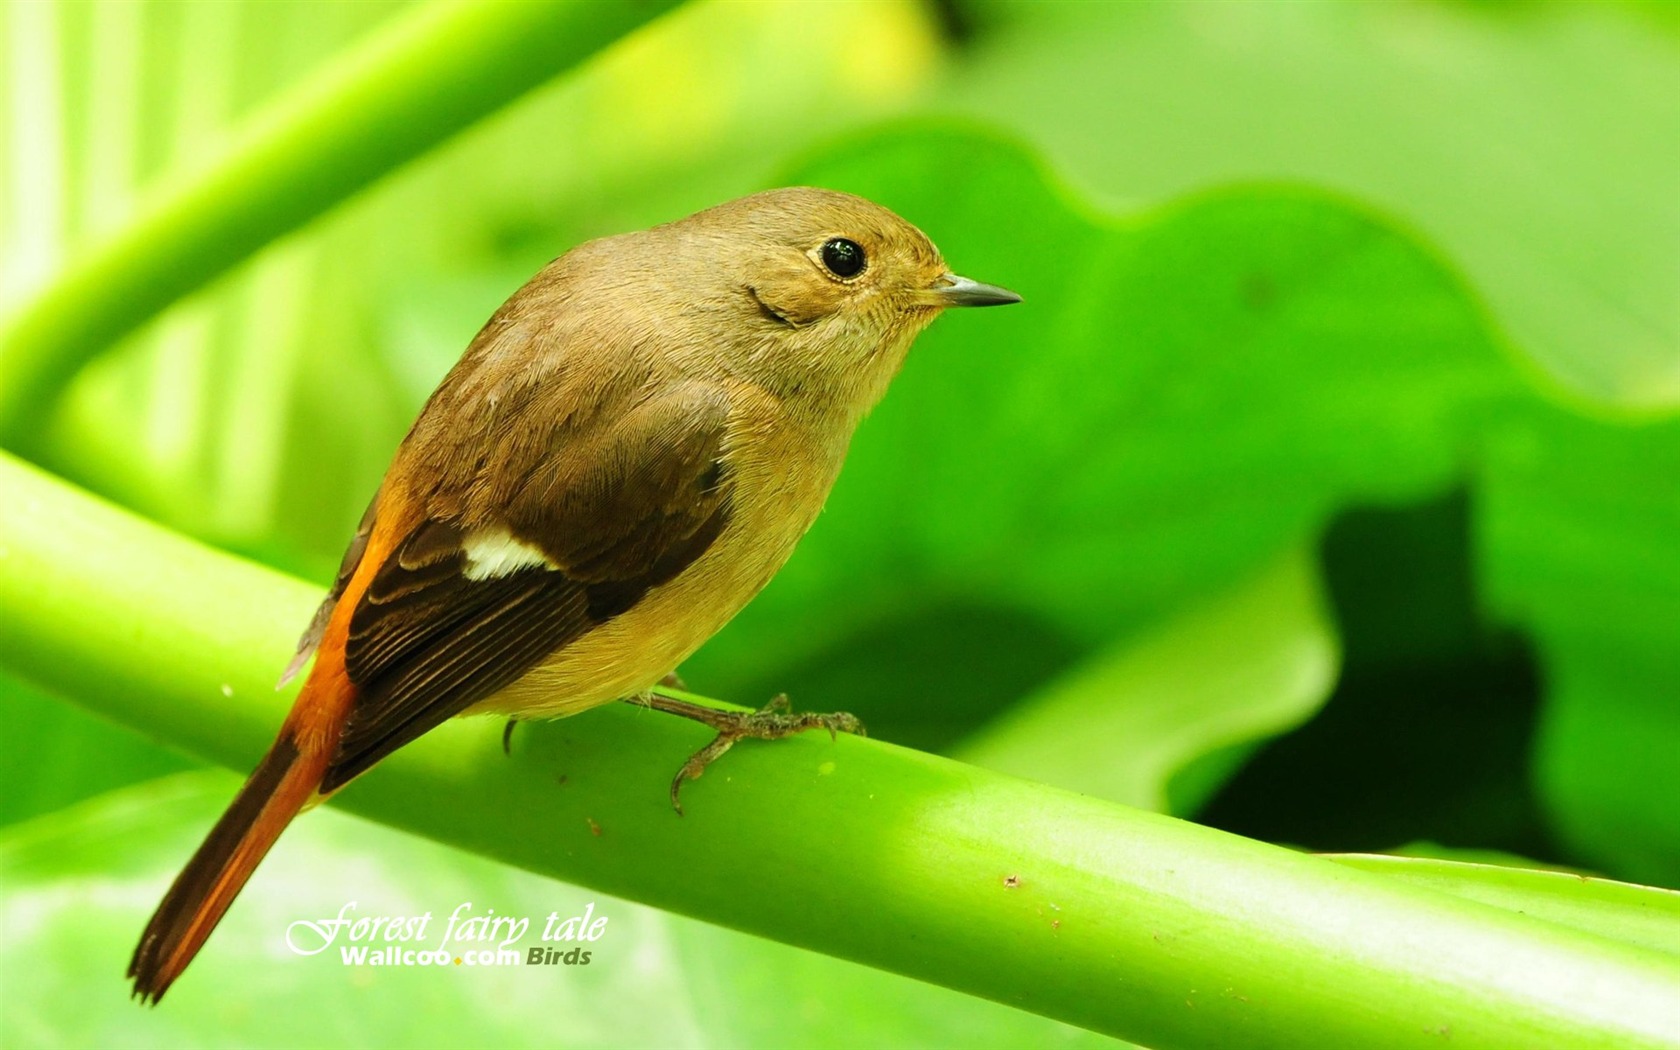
point(618, 510)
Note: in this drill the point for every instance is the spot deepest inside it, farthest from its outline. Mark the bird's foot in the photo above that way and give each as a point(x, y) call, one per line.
point(772, 722)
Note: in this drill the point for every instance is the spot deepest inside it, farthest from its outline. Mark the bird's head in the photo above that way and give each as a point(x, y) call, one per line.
point(822, 292)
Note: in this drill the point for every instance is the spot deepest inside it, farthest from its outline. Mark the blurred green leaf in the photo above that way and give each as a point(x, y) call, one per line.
point(1430, 729)
point(1537, 144)
point(1179, 705)
point(1579, 542)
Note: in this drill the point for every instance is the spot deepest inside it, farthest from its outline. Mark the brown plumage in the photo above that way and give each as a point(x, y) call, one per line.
point(624, 456)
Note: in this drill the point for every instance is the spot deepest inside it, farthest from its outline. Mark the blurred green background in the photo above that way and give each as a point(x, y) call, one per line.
point(1324, 489)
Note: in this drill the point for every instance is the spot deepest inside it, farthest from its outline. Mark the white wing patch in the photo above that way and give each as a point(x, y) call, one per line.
point(493, 553)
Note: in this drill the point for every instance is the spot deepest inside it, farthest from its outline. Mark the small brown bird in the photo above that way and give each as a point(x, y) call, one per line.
point(624, 456)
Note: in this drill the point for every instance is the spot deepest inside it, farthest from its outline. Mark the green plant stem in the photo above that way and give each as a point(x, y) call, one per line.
point(1147, 927)
point(429, 74)
point(1642, 915)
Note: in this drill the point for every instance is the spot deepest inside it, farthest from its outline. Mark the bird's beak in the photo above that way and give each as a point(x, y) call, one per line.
point(951, 290)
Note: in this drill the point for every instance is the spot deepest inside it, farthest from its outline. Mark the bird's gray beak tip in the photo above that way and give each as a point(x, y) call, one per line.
point(961, 291)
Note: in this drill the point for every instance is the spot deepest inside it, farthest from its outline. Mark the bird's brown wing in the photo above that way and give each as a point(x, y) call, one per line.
point(616, 509)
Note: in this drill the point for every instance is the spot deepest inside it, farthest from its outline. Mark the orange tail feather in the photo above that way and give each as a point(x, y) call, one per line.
point(286, 780)
point(282, 784)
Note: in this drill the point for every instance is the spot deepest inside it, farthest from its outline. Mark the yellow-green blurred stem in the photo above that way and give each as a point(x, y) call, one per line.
point(427, 75)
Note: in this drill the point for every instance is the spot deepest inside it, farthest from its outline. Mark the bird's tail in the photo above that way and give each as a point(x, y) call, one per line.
point(283, 783)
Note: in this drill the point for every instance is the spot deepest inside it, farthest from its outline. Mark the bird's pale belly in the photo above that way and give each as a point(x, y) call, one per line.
point(634, 650)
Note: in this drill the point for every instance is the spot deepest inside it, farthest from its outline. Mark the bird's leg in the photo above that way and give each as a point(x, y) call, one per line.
point(670, 681)
point(507, 736)
point(772, 722)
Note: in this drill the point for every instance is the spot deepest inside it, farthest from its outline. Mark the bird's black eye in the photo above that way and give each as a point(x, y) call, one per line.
point(842, 257)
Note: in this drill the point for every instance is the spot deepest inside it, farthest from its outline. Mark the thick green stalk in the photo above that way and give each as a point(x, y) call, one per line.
point(1150, 928)
point(1642, 915)
point(426, 76)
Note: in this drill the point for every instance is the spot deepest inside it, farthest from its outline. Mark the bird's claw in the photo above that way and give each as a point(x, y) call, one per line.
point(771, 722)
